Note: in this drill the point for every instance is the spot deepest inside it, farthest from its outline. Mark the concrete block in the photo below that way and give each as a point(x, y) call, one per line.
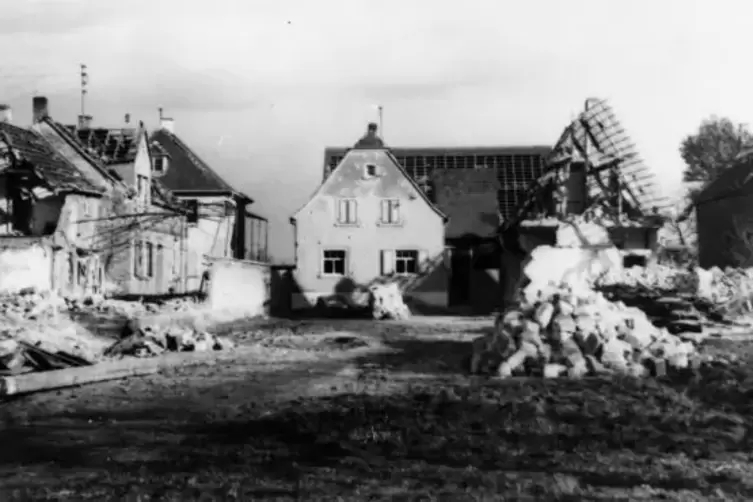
point(589, 343)
point(543, 315)
point(657, 367)
point(554, 370)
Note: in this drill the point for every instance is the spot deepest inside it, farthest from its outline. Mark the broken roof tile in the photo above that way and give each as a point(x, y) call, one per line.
point(469, 198)
point(49, 165)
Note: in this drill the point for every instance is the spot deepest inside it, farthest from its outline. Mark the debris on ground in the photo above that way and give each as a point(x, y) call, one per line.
point(149, 341)
point(388, 303)
point(606, 319)
point(574, 335)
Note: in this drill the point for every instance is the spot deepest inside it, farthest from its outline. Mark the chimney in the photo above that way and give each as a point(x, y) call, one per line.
point(85, 121)
point(6, 114)
point(167, 124)
point(40, 111)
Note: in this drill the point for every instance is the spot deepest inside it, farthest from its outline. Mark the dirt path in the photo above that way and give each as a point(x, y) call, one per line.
point(377, 411)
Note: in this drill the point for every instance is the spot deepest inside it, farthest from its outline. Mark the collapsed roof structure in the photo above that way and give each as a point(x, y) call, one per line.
point(618, 186)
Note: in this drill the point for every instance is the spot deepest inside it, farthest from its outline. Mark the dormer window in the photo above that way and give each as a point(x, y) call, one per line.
point(160, 164)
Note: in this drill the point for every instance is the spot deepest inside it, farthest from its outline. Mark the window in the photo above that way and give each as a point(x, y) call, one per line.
point(143, 259)
point(406, 262)
point(390, 213)
point(371, 170)
point(402, 261)
point(160, 163)
point(347, 212)
point(142, 188)
point(333, 262)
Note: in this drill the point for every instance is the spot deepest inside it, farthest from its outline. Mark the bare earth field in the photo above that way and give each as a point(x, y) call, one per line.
point(364, 410)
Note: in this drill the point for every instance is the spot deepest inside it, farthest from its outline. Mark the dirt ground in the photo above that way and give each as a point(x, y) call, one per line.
point(360, 410)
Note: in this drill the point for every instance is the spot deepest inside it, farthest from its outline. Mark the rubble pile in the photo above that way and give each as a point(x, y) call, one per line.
point(387, 302)
point(150, 341)
point(721, 293)
point(567, 333)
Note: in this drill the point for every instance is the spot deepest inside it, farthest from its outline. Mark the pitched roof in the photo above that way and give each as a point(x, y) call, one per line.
point(112, 146)
point(732, 182)
point(187, 172)
point(54, 169)
point(400, 169)
point(469, 198)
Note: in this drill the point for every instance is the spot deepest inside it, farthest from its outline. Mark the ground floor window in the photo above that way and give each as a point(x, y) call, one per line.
point(143, 262)
point(333, 262)
point(400, 261)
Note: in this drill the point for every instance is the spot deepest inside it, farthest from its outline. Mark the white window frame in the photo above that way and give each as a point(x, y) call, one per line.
point(347, 211)
point(325, 259)
point(162, 160)
point(389, 212)
point(143, 259)
point(371, 167)
point(391, 257)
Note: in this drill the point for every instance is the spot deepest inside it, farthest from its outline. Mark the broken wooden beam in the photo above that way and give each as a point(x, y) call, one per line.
point(70, 377)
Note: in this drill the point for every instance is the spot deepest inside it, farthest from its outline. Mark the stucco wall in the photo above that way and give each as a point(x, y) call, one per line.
point(211, 237)
point(725, 232)
point(239, 285)
point(24, 263)
point(316, 229)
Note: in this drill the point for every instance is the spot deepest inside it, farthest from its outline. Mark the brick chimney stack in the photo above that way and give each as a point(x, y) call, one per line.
point(6, 114)
point(39, 109)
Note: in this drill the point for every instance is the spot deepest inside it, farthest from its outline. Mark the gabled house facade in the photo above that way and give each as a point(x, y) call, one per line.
point(41, 195)
point(88, 220)
point(151, 227)
point(367, 221)
point(221, 226)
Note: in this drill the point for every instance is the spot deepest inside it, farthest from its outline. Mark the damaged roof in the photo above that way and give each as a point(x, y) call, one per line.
point(49, 165)
point(187, 172)
point(112, 146)
point(469, 197)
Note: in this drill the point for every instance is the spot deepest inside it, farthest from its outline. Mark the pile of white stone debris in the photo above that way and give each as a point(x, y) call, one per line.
point(42, 331)
point(606, 319)
point(568, 333)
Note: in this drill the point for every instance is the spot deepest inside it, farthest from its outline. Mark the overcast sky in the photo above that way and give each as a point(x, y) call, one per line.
point(259, 88)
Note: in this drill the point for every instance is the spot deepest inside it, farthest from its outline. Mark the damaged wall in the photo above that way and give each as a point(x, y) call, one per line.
point(239, 285)
point(725, 232)
point(25, 263)
point(419, 228)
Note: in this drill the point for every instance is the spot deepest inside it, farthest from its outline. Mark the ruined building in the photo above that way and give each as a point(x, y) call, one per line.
point(80, 220)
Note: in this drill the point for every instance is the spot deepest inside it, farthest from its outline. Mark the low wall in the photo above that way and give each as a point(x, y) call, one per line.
point(239, 285)
point(24, 266)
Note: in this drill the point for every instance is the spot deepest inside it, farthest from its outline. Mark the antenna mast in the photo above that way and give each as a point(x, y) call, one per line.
point(84, 82)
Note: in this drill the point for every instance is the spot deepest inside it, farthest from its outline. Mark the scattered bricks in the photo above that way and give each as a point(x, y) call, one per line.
point(656, 367)
point(678, 361)
point(578, 371)
point(637, 370)
point(633, 341)
point(518, 359)
point(564, 307)
point(562, 328)
point(545, 353)
point(531, 334)
point(595, 366)
point(543, 314)
point(554, 370)
point(511, 321)
point(589, 343)
point(8, 347)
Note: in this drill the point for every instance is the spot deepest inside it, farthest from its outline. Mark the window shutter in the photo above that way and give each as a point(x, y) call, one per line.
point(395, 211)
point(423, 257)
point(385, 217)
point(388, 262)
point(341, 208)
point(353, 211)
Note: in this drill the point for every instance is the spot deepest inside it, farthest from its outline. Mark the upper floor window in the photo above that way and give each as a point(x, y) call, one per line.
point(371, 170)
point(143, 189)
point(347, 211)
point(160, 164)
point(390, 211)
